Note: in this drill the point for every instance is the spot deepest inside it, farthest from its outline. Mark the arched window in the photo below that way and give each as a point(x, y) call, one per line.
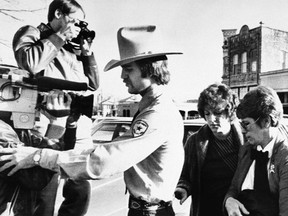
point(126, 113)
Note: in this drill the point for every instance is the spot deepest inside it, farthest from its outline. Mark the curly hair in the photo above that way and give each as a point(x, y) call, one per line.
point(65, 6)
point(218, 94)
point(261, 102)
point(156, 68)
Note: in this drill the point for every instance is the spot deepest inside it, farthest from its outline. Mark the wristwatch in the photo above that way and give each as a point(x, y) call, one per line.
point(37, 157)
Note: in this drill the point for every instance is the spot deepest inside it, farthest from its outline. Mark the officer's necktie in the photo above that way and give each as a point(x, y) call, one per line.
point(261, 183)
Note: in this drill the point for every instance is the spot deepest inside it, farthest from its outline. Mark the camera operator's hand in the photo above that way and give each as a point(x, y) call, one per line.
point(68, 31)
point(18, 158)
point(57, 107)
point(72, 120)
point(85, 47)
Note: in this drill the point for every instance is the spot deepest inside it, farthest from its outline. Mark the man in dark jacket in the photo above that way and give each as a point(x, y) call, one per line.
point(151, 152)
point(50, 50)
point(211, 154)
point(254, 191)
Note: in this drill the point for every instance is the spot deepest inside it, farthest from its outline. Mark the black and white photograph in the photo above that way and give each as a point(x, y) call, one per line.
point(143, 107)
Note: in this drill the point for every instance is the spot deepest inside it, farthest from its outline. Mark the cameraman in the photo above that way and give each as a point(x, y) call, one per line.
point(17, 188)
point(51, 50)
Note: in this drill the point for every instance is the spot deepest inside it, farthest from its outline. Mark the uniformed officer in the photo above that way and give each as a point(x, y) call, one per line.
point(151, 153)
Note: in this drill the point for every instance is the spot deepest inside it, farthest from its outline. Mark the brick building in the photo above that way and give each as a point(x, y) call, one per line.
point(257, 56)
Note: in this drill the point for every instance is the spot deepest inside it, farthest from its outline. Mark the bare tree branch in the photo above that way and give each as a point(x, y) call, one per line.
point(7, 14)
point(4, 44)
point(22, 10)
point(4, 11)
point(16, 10)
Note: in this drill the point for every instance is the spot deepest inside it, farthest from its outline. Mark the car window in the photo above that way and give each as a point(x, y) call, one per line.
point(109, 131)
point(190, 130)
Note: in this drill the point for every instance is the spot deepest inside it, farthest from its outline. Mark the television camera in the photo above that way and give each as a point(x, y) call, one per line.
point(22, 96)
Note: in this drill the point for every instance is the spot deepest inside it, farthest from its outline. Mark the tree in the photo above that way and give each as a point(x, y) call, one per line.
point(13, 14)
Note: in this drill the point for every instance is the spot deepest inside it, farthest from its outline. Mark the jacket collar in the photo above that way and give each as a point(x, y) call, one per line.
point(150, 95)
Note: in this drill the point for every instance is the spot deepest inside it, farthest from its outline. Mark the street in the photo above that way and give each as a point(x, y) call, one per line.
point(109, 199)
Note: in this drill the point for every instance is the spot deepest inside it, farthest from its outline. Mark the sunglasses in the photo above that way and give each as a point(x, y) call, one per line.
point(246, 125)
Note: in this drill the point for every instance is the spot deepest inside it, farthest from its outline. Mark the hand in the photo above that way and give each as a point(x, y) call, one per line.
point(181, 194)
point(21, 158)
point(85, 47)
point(234, 207)
point(58, 100)
point(68, 31)
point(57, 107)
point(72, 120)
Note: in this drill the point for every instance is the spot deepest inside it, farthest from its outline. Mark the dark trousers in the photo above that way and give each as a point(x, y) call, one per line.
point(45, 199)
point(77, 196)
point(6, 192)
point(259, 203)
point(22, 199)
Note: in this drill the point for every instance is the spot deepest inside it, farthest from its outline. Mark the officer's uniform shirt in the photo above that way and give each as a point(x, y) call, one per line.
point(150, 154)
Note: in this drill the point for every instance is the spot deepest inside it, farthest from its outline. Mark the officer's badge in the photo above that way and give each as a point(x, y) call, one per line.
point(139, 128)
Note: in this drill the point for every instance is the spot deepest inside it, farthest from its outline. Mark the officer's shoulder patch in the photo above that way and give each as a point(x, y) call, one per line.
point(139, 128)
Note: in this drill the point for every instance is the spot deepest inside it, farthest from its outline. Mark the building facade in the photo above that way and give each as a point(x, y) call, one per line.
point(128, 107)
point(257, 56)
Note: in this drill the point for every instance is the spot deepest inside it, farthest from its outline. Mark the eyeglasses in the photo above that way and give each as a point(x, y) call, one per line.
point(246, 125)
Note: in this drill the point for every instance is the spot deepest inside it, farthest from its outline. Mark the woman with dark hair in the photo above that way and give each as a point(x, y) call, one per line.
point(211, 154)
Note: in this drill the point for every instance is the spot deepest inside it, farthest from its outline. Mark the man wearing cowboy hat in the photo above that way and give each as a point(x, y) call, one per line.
point(151, 153)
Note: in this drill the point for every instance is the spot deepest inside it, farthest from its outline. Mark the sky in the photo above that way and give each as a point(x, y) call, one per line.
point(193, 27)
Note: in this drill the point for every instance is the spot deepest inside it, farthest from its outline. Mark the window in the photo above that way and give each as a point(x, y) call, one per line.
point(242, 92)
point(253, 60)
point(285, 59)
point(254, 66)
point(235, 64)
point(244, 62)
point(189, 114)
point(126, 113)
point(109, 131)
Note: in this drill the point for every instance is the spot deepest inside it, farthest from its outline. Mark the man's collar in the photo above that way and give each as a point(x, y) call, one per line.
point(268, 147)
point(151, 93)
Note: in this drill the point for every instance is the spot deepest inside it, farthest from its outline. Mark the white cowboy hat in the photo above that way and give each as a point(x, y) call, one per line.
point(135, 43)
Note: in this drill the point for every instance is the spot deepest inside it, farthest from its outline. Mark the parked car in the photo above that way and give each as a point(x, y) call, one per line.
point(105, 129)
point(191, 126)
point(108, 128)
